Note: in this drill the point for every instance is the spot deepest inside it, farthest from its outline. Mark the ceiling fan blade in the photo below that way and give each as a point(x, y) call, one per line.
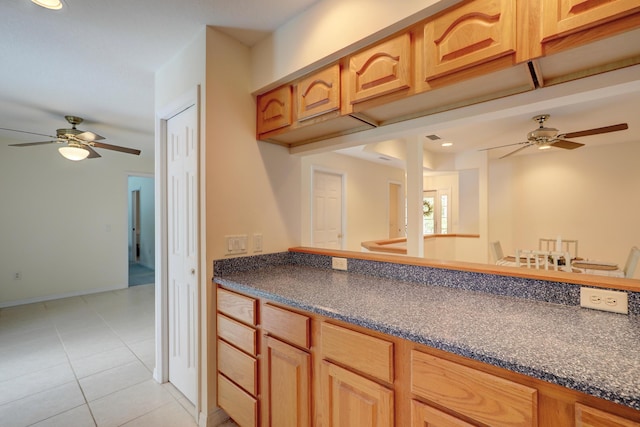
point(28, 144)
point(93, 154)
point(116, 148)
point(500, 146)
point(567, 145)
point(515, 151)
point(30, 133)
point(606, 129)
point(89, 136)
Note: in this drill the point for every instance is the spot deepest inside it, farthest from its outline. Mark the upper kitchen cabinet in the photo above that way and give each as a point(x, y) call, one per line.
point(274, 110)
point(468, 36)
point(570, 39)
point(383, 69)
point(561, 18)
point(318, 93)
point(314, 110)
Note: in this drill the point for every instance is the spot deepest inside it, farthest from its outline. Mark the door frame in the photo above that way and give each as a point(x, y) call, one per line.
point(343, 215)
point(161, 370)
point(400, 207)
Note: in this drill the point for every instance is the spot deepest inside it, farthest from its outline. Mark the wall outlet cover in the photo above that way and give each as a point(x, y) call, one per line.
point(605, 300)
point(339, 263)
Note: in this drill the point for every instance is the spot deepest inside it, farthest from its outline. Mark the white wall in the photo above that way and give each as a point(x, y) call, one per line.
point(64, 224)
point(147, 219)
point(590, 194)
point(366, 198)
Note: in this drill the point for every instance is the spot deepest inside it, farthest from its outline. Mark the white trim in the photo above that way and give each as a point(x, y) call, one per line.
point(402, 220)
point(191, 98)
point(343, 209)
point(58, 296)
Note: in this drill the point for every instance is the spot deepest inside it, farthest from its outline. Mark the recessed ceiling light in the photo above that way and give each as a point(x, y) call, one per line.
point(49, 4)
point(446, 144)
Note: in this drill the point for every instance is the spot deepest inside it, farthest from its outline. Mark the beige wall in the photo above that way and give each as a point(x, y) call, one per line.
point(590, 194)
point(327, 30)
point(64, 224)
point(366, 198)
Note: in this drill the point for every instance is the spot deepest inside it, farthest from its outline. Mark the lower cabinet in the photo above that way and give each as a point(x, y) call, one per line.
point(286, 368)
point(287, 400)
point(424, 415)
point(349, 399)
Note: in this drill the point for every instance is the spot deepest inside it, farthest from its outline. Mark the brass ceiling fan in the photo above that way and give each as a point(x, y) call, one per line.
point(545, 137)
point(78, 144)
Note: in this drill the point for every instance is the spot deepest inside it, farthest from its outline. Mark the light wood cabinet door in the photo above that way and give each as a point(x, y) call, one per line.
point(380, 70)
point(563, 17)
point(349, 400)
point(318, 93)
point(274, 109)
point(590, 417)
point(287, 402)
point(466, 36)
point(425, 416)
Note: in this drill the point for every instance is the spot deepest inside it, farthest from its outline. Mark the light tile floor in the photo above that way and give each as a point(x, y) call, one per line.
point(85, 361)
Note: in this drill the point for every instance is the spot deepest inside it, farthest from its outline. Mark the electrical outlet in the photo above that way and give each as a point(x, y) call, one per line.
point(339, 263)
point(257, 242)
point(17, 275)
point(602, 299)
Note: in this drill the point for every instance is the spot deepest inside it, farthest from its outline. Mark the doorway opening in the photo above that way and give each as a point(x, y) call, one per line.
point(140, 190)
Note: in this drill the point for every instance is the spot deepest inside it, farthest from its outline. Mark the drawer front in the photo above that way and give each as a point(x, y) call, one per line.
point(364, 353)
point(237, 306)
point(287, 325)
point(591, 417)
point(238, 367)
point(240, 406)
point(238, 334)
point(424, 415)
point(477, 395)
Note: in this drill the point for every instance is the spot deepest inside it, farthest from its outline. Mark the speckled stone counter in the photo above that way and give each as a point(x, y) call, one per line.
point(590, 351)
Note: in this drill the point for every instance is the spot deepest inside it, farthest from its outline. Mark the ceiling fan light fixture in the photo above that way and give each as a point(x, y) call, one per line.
point(544, 147)
point(49, 4)
point(73, 152)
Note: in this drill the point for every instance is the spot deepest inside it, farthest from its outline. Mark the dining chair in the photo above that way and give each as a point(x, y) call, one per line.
point(632, 262)
point(536, 258)
point(570, 246)
point(496, 251)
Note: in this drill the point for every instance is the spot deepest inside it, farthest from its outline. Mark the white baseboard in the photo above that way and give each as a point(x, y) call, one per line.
point(14, 303)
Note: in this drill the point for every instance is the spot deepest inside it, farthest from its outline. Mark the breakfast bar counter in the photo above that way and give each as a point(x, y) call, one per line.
point(594, 352)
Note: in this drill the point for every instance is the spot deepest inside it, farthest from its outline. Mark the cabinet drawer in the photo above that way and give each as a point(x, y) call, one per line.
point(424, 415)
point(287, 325)
point(237, 306)
point(238, 334)
point(591, 417)
point(364, 353)
point(477, 395)
point(238, 367)
point(241, 407)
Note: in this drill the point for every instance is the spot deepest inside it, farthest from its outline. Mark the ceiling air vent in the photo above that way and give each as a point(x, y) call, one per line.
point(433, 137)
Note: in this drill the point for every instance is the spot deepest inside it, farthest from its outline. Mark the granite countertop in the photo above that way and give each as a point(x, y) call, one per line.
point(594, 352)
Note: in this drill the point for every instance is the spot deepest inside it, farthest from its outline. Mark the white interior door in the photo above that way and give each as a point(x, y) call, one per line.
point(327, 210)
point(182, 244)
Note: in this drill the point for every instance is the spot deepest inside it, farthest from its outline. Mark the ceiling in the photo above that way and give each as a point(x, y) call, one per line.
point(96, 59)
